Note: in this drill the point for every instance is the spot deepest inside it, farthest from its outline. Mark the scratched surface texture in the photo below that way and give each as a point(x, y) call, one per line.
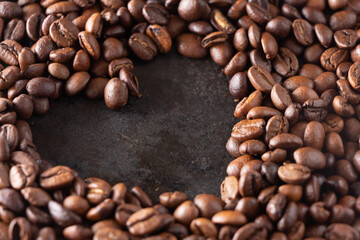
point(173, 138)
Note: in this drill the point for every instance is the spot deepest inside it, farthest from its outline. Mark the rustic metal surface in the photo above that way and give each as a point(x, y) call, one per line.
point(173, 138)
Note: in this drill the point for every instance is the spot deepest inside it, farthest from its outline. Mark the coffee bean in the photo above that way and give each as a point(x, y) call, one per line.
point(260, 79)
point(161, 38)
point(36, 196)
point(285, 63)
point(257, 13)
point(57, 177)
point(62, 216)
point(94, 25)
point(191, 11)
point(155, 13)
point(89, 43)
point(63, 32)
point(258, 58)
point(61, 7)
point(76, 83)
point(279, 27)
point(147, 221)
point(340, 230)
point(14, 30)
point(251, 231)
point(41, 87)
point(220, 22)
point(332, 57)
point(342, 20)
point(294, 173)
point(240, 40)
point(62, 55)
point(115, 94)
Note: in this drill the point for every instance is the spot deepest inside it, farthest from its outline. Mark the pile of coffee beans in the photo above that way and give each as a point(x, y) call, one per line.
point(294, 69)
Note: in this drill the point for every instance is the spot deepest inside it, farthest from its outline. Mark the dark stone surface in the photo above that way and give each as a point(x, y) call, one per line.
point(173, 138)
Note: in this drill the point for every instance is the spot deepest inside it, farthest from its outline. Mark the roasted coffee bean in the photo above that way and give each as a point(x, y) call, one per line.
point(76, 83)
point(62, 55)
point(303, 31)
point(116, 94)
point(41, 87)
point(14, 30)
point(236, 64)
point(257, 58)
point(240, 40)
point(9, 76)
point(269, 45)
point(62, 7)
point(57, 177)
point(94, 25)
point(9, 51)
point(313, 52)
point(62, 216)
point(345, 38)
point(310, 157)
point(161, 38)
point(260, 79)
point(147, 221)
point(280, 97)
point(258, 13)
point(315, 110)
point(294, 173)
point(342, 20)
point(324, 34)
point(221, 53)
point(279, 27)
point(142, 46)
point(340, 230)
point(332, 57)
point(63, 32)
point(155, 13)
point(191, 11)
point(285, 63)
point(220, 22)
point(254, 35)
point(89, 43)
point(251, 231)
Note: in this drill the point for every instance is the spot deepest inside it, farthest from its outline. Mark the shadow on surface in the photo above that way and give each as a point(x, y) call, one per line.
point(173, 138)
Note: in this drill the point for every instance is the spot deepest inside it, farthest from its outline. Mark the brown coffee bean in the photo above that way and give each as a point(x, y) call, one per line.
point(186, 212)
point(230, 191)
point(229, 217)
point(248, 129)
point(285, 63)
point(280, 97)
point(147, 221)
point(244, 106)
point(294, 173)
point(89, 43)
point(240, 40)
point(269, 45)
point(172, 199)
point(332, 57)
point(221, 53)
point(342, 20)
point(41, 87)
point(161, 38)
point(62, 216)
point(279, 27)
point(76, 83)
point(14, 30)
point(257, 13)
point(310, 157)
point(258, 58)
point(340, 230)
point(61, 7)
point(142, 46)
point(19, 228)
point(220, 22)
point(285, 141)
point(109, 233)
point(236, 64)
point(101, 211)
point(98, 190)
point(324, 34)
point(345, 38)
point(36, 196)
point(200, 27)
point(62, 55)
point(155, 13)
point(57, 177)
point(117, 64)
point(9, 76)
point(115, 94)
point(77, 232)
point(94, 25)
point(239, 85)
point(251, 231)
point(254, 35)
point(12, 200)
point(191, 11)
point(95, 88)
point(58, 71)
point(9, 51)
point(260, 79)
point(63, 32)
point(82, 62)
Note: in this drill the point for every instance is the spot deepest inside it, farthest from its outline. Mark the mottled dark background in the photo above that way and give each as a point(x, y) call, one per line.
point(173, 138)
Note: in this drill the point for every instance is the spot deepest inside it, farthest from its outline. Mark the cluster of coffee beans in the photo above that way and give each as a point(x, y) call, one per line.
point(295, 70)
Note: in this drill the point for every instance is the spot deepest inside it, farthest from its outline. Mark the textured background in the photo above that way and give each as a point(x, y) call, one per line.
point(173, 138)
